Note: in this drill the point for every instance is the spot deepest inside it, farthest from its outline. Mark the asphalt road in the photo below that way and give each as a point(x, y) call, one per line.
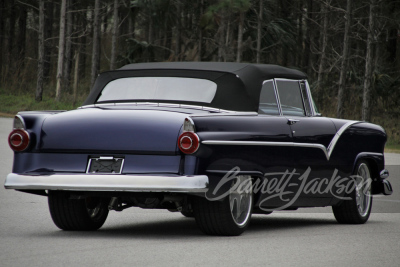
point(136, 237)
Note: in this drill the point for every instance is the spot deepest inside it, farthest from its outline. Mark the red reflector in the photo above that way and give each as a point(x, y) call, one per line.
point(188, 142)
point(18, 140)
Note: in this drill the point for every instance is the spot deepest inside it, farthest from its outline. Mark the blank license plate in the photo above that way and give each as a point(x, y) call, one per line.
point(105, 165)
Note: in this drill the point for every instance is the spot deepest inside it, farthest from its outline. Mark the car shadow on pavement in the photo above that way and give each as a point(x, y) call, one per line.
point(275, 223)
point(182, 227)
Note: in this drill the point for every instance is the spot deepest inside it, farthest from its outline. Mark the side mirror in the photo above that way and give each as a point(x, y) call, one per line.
point(318, 114)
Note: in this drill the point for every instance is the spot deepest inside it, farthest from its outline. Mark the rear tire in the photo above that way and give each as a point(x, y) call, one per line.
point(358, 209)
point(77, 214)
point(229, 217)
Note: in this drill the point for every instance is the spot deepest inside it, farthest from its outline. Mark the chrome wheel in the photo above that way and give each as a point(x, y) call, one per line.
point(363, 190)
point(230, 215)
point(356, 209)
point(240, 200)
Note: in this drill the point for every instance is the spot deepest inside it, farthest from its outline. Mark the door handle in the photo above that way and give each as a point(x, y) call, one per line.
point(292, 121)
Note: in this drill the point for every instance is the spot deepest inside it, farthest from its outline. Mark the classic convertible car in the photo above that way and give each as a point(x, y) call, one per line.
point(214, 141)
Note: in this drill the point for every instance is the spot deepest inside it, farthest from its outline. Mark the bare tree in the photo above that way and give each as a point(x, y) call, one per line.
point(61, 49)
point(178, 30)
point(324, 44)
point(200, 44)
point(345, 55)
point(68, 46)
point(240, 37)
point(259, 30)
point(220, 35)
point(48, 34)
point(96, 43)
point(114, 36)
point(308, 37)
point(368, 81)
point(21, 38)
point(76, 74)
point(2, 4)
point(40, 73)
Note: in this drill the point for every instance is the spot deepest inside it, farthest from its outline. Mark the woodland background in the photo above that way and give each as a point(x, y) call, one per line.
point(52, 51)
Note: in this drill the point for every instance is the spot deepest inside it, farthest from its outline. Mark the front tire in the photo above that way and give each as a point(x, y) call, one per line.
point(77, 214)
point(229, 217)
point(358, 209)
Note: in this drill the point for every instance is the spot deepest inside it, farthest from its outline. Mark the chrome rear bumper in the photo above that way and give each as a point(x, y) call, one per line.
point(108, 182)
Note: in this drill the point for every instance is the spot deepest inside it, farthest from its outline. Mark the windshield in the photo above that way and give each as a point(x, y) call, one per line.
point(159, 88)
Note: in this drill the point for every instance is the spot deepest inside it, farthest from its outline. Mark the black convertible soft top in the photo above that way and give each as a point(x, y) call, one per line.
point(238, 84)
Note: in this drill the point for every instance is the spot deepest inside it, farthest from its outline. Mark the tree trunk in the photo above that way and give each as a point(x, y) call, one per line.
point(307, 41)
point(368, 84)
point(48, 33)
point(178, 30)
point(76, 74)
point(131, 22)
point(40, 74)
point(2, 20)
point(61, 49)
point(299, 33)
point(200, 44)
point(96, 43)
point(21, 40)
point(83, 20)
point(285, 11)
point(221, 39)
point(68, 47)
point(114, 36)
point(324, 44)
point(240, 37)
point(344, 63)
point(10, 39)
point(259, 31)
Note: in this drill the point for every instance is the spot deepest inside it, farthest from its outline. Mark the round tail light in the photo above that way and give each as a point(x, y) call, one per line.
point(19, 140)
point(188, 142)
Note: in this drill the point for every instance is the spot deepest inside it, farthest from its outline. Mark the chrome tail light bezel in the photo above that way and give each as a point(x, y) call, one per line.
point(20, 133)
point(188, 134)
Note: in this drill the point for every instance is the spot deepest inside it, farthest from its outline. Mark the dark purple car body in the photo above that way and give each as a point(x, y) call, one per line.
point(215, 141)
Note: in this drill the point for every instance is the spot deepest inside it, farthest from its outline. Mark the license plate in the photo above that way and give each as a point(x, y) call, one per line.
point(105, 165)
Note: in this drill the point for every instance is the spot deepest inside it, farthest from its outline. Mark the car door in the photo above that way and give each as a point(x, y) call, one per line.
point(277, 155)
point(311, 135)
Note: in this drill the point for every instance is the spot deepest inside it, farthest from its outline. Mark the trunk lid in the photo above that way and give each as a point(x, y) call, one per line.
point(102, 130)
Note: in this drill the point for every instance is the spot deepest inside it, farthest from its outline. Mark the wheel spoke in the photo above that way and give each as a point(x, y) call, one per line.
point(235, 204)
point(363, 188)
point(240, 201)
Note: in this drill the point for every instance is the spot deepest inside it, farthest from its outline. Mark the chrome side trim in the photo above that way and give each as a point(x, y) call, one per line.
point(261, 143)
point(335, 139)
point(108, 182)
point(155, 104)
point(327, 151)
point(231, 113)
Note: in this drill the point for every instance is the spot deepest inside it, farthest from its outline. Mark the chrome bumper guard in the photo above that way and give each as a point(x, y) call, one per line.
point(108, 182)
point(386, 186)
